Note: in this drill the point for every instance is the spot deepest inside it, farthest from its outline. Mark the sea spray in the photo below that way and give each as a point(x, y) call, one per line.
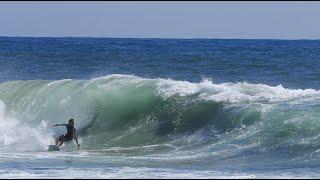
point(17, 135)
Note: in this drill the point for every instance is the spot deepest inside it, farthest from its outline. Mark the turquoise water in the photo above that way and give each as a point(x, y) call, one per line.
point(160, 108)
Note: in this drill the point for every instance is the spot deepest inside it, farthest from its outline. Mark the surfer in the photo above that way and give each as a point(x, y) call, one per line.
point(71, 133)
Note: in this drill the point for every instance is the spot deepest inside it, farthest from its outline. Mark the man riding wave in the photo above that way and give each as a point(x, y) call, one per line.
point(71, 133)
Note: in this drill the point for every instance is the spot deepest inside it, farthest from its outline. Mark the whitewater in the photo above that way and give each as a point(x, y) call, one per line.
point(131, 126)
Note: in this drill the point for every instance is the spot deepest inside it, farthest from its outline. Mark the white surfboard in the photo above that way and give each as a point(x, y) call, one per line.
point(53, 148)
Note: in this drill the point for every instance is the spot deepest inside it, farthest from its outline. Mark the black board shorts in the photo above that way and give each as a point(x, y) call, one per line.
point(65, 138)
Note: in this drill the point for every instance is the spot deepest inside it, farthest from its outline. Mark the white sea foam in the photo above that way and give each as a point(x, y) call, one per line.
point(233, 92)
point(15, 134)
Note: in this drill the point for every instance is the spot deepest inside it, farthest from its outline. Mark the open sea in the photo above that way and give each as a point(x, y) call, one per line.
point(160, 108)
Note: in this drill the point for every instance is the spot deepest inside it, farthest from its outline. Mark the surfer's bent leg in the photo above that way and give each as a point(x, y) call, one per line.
point(64, 138)
point(61, 139)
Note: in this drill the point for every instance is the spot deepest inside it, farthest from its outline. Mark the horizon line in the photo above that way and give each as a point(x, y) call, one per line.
point(172, 38)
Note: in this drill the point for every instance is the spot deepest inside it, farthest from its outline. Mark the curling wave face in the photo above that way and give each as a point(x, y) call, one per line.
point(125, 111)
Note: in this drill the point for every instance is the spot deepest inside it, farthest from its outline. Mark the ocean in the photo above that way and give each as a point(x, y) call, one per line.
point(160, 108)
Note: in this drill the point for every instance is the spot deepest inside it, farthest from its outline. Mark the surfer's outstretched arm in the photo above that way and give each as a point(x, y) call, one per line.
point(59, 124)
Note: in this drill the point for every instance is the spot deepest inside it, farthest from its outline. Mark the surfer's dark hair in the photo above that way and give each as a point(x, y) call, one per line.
point(71, 120)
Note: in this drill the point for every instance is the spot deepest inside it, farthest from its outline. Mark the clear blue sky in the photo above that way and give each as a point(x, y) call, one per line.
point(253, 20)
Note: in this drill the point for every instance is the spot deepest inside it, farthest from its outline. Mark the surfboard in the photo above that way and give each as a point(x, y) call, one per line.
point(53, 148)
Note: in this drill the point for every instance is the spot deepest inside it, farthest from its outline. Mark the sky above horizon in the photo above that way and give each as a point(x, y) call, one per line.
point(217, 20)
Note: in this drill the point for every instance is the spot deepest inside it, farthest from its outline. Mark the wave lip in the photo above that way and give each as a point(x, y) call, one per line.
point(234, 92)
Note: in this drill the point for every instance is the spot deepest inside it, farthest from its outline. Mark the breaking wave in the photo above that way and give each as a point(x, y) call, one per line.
point(128, 111)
